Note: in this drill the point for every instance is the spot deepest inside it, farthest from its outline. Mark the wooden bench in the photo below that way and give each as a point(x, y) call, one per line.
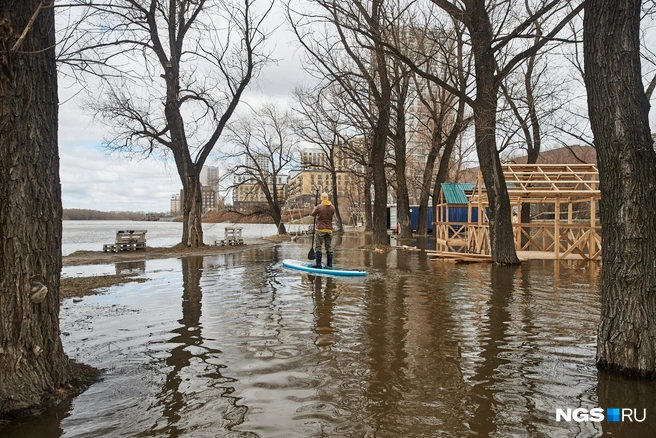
point(232, 236)
point(127, 240)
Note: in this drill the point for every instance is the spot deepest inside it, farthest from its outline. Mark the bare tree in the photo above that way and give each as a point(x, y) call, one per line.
point(33, 365)
point(264, 149)
point(344, 41)
point(619, 116)
point(330, 120)
point(533, 96)
point(402, 95)
point(173, 73)
point(575, 126)
point(441, 119)
point(323, 123)
point(491, 48)
point(498, 35)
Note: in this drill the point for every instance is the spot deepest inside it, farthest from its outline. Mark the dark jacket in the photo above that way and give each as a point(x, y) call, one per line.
point(324, 213)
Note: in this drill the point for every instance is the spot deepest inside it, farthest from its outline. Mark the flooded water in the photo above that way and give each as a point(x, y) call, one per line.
point(90, 235)
point(235, 345)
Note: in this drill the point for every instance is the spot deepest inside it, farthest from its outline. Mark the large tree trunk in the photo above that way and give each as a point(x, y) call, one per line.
point(368, 212)
point(427, 178)
point(381, 131)
point(192, 202)
point(618, 109)
point(276, 215)
point(379, 219)
point(402, 197)
point(502, 246)
point(32, 361)
point(189, 172)
point(192, 210)
point(502, 242)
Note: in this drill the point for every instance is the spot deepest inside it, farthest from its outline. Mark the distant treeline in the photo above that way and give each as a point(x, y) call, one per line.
point(77, 214)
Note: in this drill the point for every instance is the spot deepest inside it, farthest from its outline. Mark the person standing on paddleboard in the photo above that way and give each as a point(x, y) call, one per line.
point(323, 230)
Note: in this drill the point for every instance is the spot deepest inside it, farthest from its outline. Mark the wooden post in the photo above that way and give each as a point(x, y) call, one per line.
point(469, 211)
point(592, 242)
point(570, 232)
point(518, 226)
point(557, 229)
point(481, 211)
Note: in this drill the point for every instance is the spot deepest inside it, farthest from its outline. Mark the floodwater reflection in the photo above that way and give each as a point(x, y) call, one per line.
point(236, 345)
point(324, 295)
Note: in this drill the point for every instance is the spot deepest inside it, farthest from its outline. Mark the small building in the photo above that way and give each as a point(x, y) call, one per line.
point(453, 202)
point(567, 225)
point(454, 215)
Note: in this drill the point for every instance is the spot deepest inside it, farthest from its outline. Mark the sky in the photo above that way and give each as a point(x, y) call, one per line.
point(91, 178)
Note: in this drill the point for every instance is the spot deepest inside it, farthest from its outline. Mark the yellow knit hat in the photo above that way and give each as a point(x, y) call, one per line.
point(324, 196)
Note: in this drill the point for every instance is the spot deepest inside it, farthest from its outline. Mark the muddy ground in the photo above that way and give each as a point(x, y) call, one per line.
point(82, 286)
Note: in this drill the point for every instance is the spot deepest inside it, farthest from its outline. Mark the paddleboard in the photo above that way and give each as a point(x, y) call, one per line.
point(307, 267)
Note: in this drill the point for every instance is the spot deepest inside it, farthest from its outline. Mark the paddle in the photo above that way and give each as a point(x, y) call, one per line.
point(314, 231)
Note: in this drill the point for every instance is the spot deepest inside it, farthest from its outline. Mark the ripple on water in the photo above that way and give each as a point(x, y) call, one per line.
point(236, 345)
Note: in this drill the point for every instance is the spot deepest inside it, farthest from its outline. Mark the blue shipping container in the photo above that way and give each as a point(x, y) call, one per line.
point(414, 217)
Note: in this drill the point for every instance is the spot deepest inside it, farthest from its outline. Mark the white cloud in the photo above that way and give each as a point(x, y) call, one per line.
point(94, 180)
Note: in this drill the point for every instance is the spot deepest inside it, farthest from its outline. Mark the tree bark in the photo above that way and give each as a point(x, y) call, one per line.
point(192, 210)
point(618, 111)
point(33, 364)
point(427, 178)
point(379, 214)
point(502, 246)
point(192, 202)
point(381, 131)
point(368, 212)
point(400, 150)
point(276, 215)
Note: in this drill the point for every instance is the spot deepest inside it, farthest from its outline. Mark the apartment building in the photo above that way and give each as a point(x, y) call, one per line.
point(314, 174)
point(209, 180)
point(248, 194)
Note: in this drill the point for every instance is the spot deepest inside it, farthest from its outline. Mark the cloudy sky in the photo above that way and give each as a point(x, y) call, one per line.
point(94, 179)
point(91, 178)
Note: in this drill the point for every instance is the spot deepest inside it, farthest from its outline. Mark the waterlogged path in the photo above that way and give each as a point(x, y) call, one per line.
point(236, 345)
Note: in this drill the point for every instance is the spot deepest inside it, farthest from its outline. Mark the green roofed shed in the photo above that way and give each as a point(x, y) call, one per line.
point(454, 193)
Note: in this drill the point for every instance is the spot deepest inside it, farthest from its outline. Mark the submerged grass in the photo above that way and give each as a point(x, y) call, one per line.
point(83, 286)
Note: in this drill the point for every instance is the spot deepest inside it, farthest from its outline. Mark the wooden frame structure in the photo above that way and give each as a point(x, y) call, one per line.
point(560, 187)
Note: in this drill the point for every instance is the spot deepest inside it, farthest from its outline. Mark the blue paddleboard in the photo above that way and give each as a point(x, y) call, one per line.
point(307, 267)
